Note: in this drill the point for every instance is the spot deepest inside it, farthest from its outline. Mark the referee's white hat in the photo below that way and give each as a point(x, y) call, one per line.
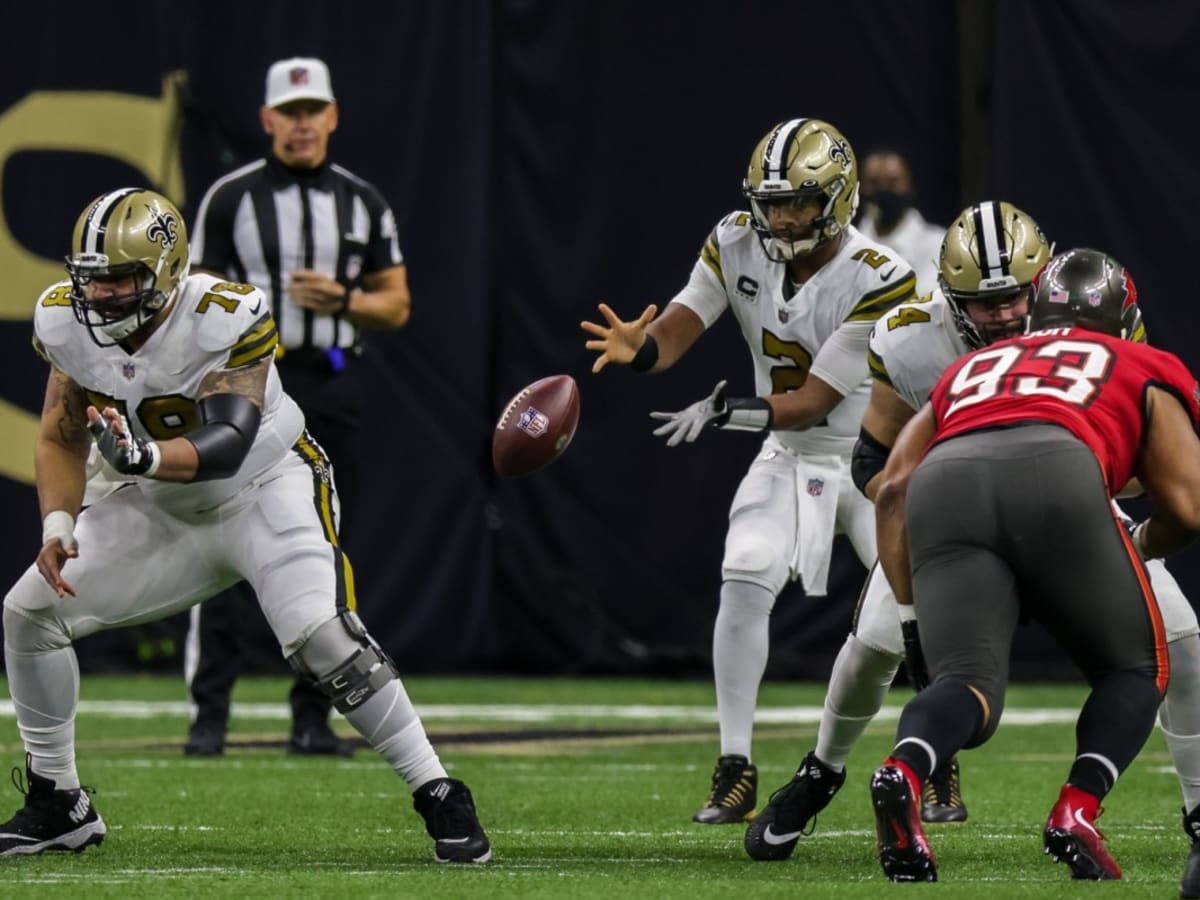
point(298, 78)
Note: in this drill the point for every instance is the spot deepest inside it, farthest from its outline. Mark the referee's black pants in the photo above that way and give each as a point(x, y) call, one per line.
point(331, 402)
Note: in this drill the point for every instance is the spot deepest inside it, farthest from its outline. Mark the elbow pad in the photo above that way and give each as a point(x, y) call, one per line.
point(868, 459)
point(228, 426)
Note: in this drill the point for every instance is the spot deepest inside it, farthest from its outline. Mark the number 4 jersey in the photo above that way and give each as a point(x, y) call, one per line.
point(211, 325)
point(1090, 383)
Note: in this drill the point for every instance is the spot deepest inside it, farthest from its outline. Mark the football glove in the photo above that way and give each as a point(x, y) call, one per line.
point(752, 414)
point(914, 656)
point(127, 454)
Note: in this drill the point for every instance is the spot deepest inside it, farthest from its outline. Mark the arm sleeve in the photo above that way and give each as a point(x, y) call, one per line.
point(842, 360)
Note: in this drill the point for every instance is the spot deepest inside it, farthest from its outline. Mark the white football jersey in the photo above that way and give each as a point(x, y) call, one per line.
point(212, 325)
point(786, 326)
point(913, 345)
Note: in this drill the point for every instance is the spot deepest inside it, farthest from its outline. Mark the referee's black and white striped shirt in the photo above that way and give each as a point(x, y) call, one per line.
point(263, 221)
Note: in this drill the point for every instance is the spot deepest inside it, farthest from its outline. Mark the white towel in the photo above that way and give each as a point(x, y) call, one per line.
point(818, 480)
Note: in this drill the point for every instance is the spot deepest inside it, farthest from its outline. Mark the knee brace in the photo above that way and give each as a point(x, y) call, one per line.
point(345, 661)
point(753, 557)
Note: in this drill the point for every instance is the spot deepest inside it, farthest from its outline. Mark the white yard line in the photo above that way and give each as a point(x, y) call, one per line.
point(516, 712)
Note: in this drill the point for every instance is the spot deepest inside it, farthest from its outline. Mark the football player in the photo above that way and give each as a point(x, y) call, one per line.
point(871, 655)
point(909, 352)
point(172, 376)
point(805, 287)
point(995, 504)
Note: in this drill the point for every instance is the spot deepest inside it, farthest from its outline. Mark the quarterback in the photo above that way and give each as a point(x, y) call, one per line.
point(172, 376)
point(805, 287)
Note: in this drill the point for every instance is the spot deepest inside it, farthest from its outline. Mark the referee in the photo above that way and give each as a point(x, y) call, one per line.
point(322, 244)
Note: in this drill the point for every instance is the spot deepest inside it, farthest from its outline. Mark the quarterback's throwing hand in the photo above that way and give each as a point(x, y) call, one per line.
point(687, 424)
point(127, 454)
point(618, 341)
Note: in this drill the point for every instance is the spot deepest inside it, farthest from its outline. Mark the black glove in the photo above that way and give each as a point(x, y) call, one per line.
point(914, 656)
point(127, 454)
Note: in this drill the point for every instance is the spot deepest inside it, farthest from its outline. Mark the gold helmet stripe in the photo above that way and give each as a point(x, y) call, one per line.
point(96, 224)
point(994, 257)
point(775, 153)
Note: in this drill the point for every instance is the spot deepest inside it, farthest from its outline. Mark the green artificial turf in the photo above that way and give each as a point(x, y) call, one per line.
point(586, 788)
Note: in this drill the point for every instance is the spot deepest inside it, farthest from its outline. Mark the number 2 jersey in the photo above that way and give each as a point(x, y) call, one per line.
point(211, 325)
point(1090, 383)
point(819, 328)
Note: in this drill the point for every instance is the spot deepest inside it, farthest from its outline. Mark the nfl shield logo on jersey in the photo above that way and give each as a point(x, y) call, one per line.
point(816, 486)
point(783, 315)
point(128, 370)
point(533, 422)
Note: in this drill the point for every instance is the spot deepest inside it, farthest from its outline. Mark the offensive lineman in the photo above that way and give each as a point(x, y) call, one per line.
point(173, 376)
point(805, 286)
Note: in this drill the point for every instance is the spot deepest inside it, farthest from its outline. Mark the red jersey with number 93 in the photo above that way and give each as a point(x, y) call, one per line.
point(1090, 383)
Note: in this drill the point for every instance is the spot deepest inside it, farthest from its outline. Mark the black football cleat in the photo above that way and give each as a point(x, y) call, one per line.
point(904, 851)
point(734, 793)
point(50, 819)
point(449, 813)
point(785, 819)
point(941, 795)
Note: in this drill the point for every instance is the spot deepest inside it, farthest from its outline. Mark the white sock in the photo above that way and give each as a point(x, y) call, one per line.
point(45, 692)
point(857, 688)
point(390, 725)
point(741, 642)
point(1179, 715)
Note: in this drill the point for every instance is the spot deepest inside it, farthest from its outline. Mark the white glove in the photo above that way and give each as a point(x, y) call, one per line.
point(687, 424)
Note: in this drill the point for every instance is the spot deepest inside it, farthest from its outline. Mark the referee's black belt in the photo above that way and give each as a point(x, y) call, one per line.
point(329, 360)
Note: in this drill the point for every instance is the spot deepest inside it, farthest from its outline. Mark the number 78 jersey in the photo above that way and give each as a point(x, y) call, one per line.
point(1090, 383)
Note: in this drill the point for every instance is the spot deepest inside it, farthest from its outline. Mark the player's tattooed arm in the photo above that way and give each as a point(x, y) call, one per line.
point(62, 445)
point(65, 413)
point(248, 381)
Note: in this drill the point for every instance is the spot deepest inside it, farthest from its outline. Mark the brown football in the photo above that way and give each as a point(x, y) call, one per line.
point(536, 426)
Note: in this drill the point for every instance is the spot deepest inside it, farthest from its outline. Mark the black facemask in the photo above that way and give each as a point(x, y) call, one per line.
point(891, 206)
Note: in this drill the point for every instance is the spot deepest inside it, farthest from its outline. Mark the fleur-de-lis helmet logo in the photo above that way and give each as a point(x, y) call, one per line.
point(164, 228)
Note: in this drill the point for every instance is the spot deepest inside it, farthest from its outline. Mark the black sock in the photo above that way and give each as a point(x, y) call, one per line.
point(945, 715)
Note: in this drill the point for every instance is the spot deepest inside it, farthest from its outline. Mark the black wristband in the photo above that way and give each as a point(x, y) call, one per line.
point(647, 355)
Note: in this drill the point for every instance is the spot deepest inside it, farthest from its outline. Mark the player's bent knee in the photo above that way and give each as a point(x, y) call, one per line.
point(345, 661)
point(29, 634)
point(751, 558)
point(991, 702)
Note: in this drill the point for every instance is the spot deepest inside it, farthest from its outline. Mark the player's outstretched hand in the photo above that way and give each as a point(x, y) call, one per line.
point(618, 341)
point(127, 454)
point(688, 424)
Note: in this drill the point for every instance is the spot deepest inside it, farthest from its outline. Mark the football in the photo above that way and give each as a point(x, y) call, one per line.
point(536, 426)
